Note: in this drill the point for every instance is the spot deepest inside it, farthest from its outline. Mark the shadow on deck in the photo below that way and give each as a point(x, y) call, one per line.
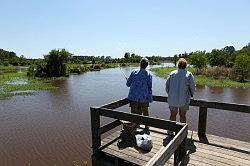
point(184, 148)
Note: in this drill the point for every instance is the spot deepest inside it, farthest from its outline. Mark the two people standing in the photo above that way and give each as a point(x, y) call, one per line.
point(180, 87)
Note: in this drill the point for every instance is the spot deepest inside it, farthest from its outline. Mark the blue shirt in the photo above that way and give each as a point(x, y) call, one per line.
point(179, 86)
point(140, 83)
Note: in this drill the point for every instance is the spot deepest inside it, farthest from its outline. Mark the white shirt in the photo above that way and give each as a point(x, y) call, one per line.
point(179, 86)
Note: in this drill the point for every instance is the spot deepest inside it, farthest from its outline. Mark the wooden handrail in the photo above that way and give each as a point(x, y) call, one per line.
point(202, 104)
point(150, 121)
point(166, 152)
point(108, 111)
point(212, 104)
point(176, 146)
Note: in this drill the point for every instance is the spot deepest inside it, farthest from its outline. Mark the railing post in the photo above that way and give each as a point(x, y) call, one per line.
point(96, 138)
point(181, 151)
point(202, 121)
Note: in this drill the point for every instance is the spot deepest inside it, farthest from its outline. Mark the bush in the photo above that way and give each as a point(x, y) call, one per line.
point(6, 63)
point(123, 64)
point(241, 67)
point(217, 58)
point(31, 71)
point(97, 67)
point(56, 62)
point(75, 69)
point(216, 72)
point(198, 59)
point(103, 65)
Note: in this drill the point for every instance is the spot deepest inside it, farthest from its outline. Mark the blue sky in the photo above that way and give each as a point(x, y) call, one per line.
point(113, 27)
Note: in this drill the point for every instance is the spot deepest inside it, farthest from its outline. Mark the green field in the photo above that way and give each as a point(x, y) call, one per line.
point(163, 72)
point(13, 81)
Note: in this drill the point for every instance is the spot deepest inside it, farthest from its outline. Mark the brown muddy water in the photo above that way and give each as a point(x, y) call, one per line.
point(53, 128)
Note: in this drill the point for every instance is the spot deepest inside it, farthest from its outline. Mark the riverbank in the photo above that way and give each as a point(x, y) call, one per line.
point(201, 80)
point(13, 83)
point(14, 80)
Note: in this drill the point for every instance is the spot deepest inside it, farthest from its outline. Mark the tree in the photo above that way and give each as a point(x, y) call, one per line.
point(245, 50)
point(241, 67)
point(198, 59)
point(56, 60)
point(7, 57)
point(217, 58)
point(230, 55)
point(230, 51)
point(108, 59)
point(127, 55)
point(175, 59)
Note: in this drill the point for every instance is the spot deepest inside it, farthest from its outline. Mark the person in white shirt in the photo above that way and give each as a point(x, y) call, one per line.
point(180, 87)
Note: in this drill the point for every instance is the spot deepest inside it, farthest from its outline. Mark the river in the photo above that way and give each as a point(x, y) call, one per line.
point(53, 127)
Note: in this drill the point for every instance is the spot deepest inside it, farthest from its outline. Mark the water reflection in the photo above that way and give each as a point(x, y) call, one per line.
point(54, 127)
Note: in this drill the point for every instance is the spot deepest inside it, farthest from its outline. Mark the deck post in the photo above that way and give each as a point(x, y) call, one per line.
point(181, 151)
point(202, 121)
point(177, 156)
point(183, 148)
point(95, 125)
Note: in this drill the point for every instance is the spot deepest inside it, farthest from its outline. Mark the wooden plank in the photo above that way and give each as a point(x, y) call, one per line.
point(130, 151)
point(158, 139)
point(109, 143)
point(221, 105)
point(155, 122)
point(211, 147)
point(160, 98)
point(202, 124)
point(212, 104)
point(202, 160)
point(205, 154)
point(223, 143)
point(237, 143)
point(109, 126)
point(126, 157)
point(95, 125)
point(224, 158)
point(116, 104)
point(222, 151)
point(212, 139)
point(157, 142)
point(165, 153)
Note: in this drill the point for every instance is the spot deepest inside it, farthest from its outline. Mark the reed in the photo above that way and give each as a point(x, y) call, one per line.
point(10, 84)
point(212, 77)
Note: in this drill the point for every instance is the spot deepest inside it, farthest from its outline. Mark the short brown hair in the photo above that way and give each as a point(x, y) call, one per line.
point(182, 63)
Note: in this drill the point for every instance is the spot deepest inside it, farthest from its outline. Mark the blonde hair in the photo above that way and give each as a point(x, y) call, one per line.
point(182, 63)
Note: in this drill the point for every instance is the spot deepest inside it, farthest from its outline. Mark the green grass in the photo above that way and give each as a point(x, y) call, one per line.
point(31, 84)
point(200, 79)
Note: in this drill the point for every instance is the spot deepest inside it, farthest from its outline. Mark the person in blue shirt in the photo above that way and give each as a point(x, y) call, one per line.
point(180, 86)
point(140, 92)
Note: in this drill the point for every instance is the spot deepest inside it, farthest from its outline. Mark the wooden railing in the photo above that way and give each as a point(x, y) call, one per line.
point(177, 146)
point(181, 129)
point(203, 107)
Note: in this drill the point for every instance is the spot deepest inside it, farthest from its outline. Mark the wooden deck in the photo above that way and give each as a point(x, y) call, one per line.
point(213, 150)
point(185, 148)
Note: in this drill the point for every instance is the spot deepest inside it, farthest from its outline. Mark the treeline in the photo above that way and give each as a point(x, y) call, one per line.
point(128, 58)
point(133, 58)
point(10, 58)
point(237, 62)
point(60, 62)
